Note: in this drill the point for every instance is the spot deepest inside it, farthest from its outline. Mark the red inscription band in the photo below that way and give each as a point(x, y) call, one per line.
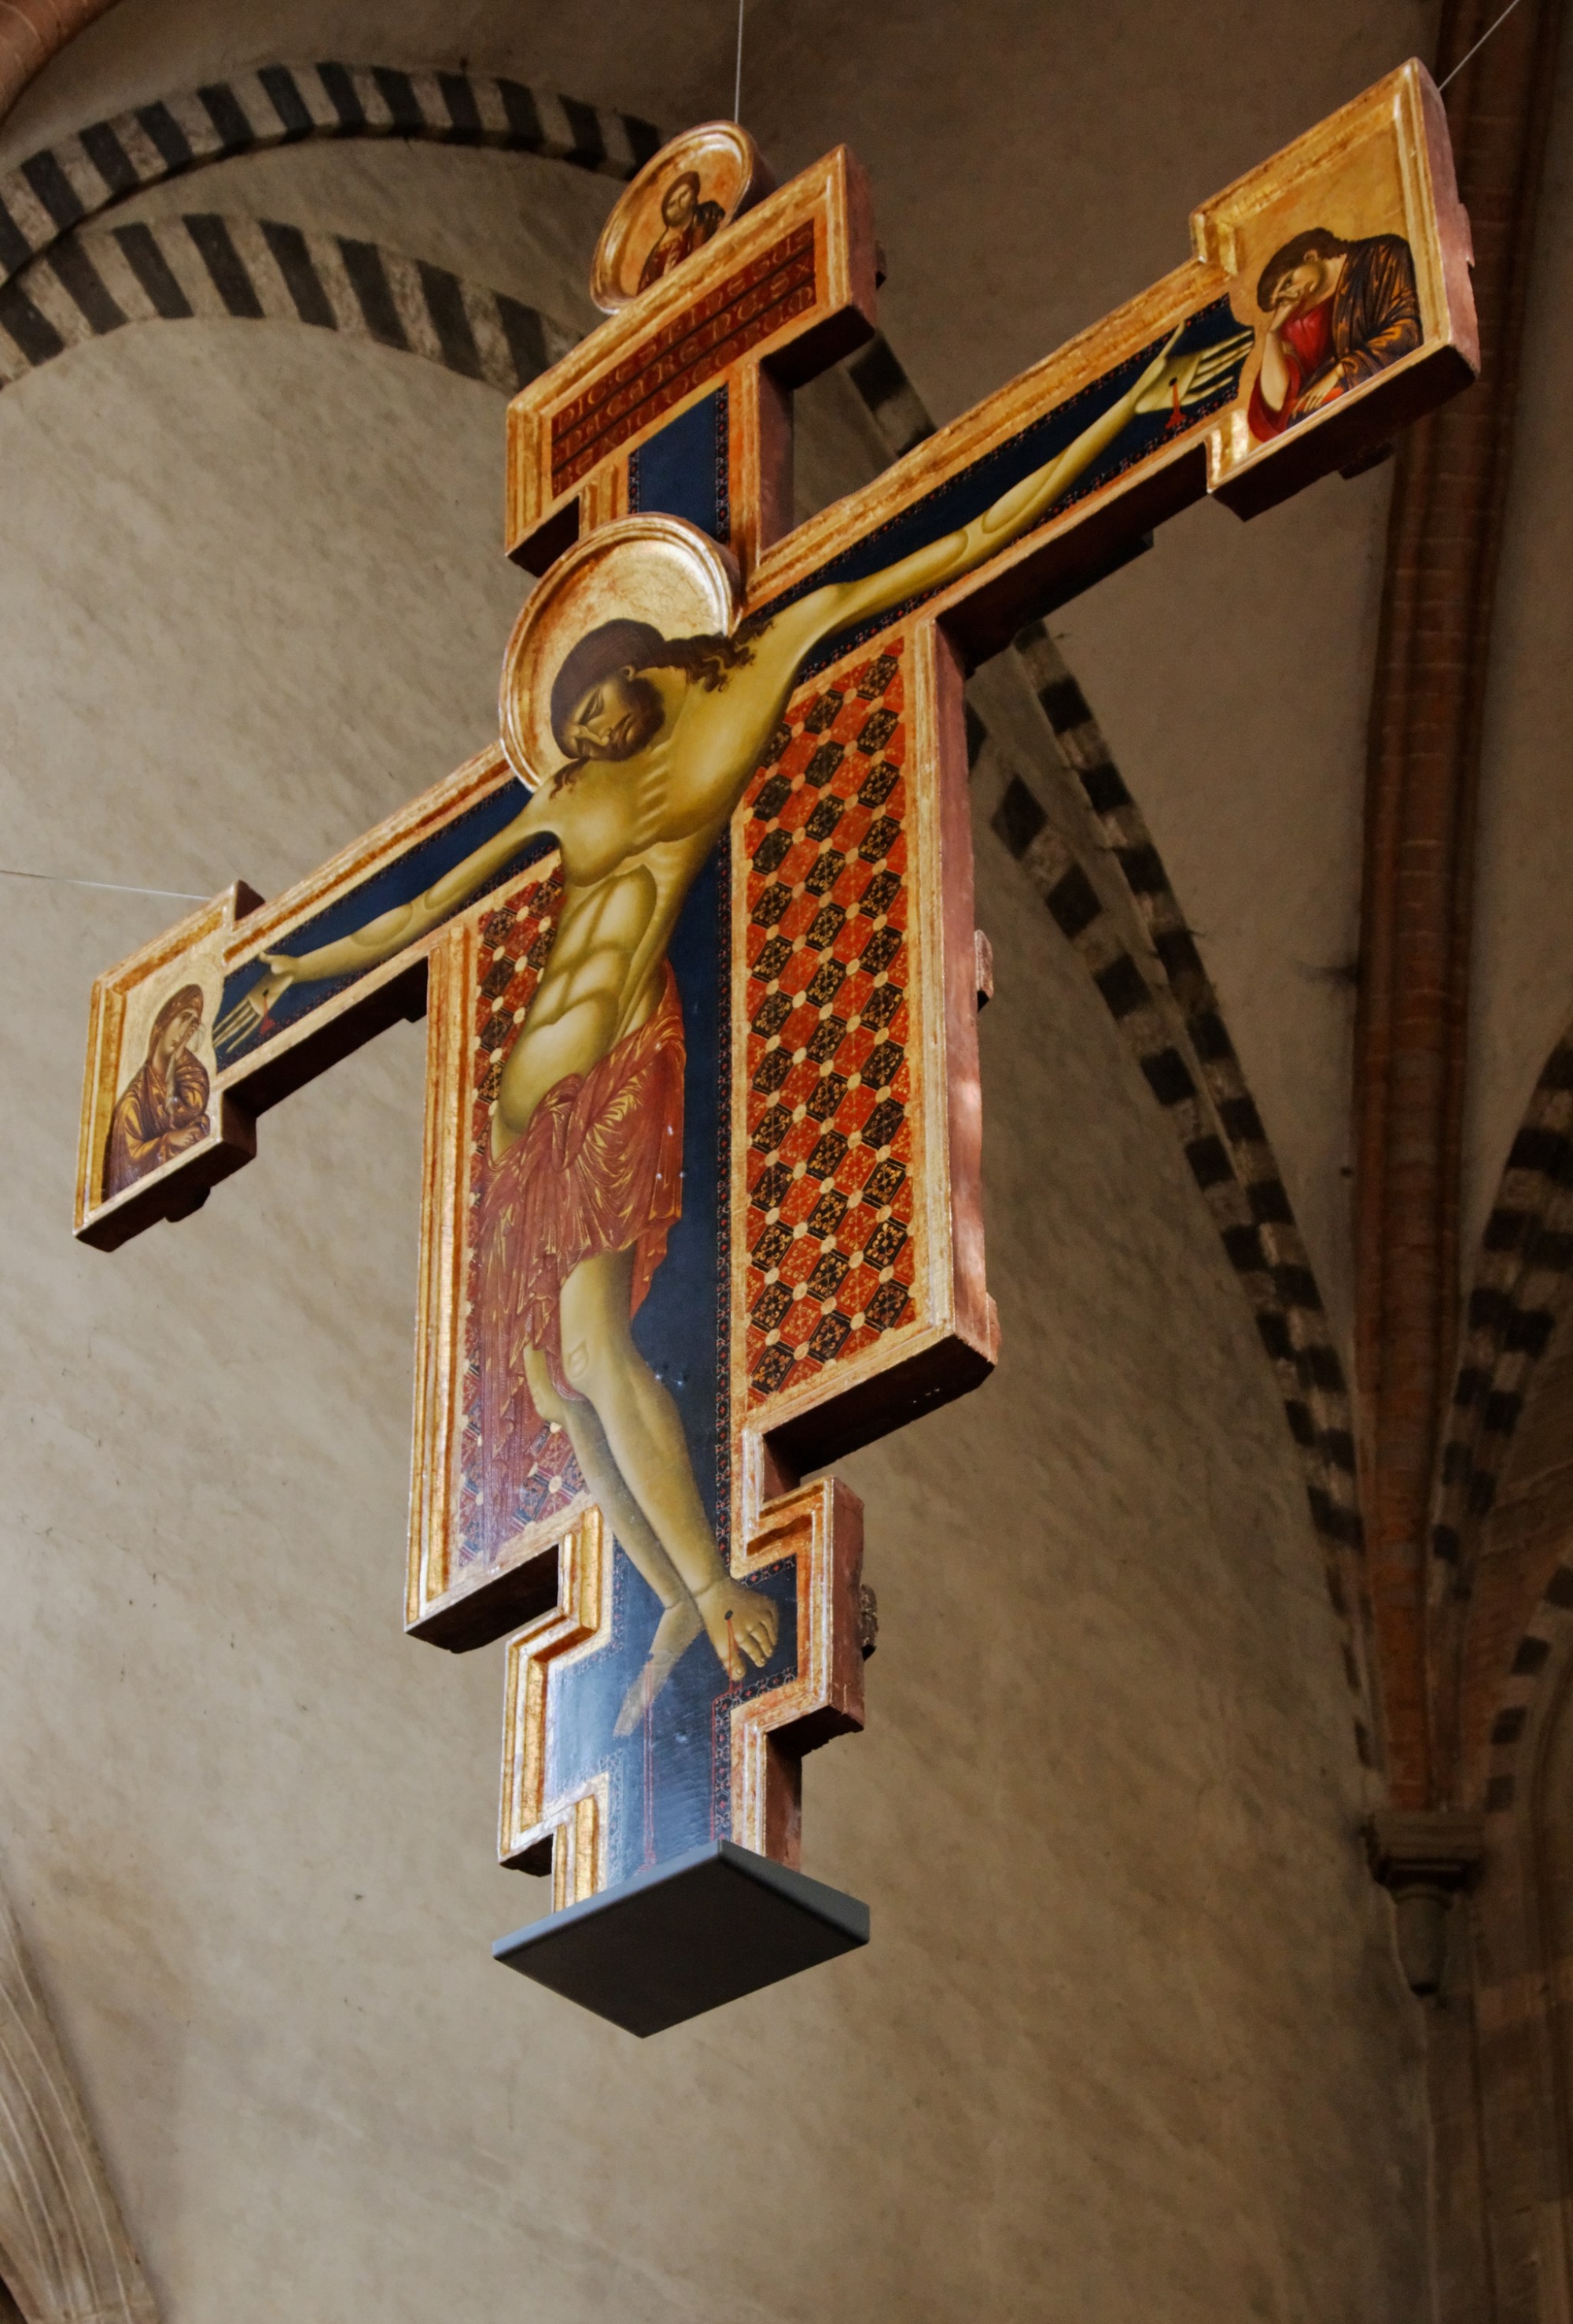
point(778, 286)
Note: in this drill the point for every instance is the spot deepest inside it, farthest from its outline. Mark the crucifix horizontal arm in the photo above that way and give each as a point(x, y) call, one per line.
point(234, 936)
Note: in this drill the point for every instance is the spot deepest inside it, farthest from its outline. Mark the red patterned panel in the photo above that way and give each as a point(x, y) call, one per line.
point(829, 1229)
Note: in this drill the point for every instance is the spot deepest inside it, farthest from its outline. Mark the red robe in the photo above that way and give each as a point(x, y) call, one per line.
point(1371, 318)
point(599, 1169)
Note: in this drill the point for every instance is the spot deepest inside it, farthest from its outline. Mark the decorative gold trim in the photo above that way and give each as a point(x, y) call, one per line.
point(821, 1526)
point(235, 928)
point(529, 1822)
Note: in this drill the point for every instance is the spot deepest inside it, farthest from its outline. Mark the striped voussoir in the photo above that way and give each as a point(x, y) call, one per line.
point(1520, 1287)
point(57, 188)
point(1171, 1022)
point(893, 403)
point(1531, 1684)
point(258, 270)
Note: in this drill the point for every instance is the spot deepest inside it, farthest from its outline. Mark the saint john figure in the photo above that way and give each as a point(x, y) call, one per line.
point(659, 737)
point(1341, 311)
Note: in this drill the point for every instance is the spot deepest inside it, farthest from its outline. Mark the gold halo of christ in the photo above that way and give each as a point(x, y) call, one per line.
point(636, 710)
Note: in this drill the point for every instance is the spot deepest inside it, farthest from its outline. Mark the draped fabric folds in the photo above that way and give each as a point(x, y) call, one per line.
point(599, 1169)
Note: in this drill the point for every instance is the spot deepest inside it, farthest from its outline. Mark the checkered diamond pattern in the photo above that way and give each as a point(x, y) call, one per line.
point(831, 1256)
point(516, 935)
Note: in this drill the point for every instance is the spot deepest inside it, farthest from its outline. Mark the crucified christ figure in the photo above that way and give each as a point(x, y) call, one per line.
point(659, 738)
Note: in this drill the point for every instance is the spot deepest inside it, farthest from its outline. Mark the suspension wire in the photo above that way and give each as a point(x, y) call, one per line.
point(737, 101)
point(114, 887)
point(1475, 52)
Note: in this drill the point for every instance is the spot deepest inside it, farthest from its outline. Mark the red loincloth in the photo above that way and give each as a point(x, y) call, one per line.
point(599, 1169)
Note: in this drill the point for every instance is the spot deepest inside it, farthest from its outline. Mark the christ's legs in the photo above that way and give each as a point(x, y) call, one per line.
point(644, 1434)
point(679, 1625)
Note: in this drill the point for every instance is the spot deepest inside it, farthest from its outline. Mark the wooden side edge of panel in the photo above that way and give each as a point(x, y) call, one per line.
point(438, 1365)
point(537, 1833)
point(821, 1526)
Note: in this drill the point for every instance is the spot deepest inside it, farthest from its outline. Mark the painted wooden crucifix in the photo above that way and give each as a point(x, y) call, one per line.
point(696, 942)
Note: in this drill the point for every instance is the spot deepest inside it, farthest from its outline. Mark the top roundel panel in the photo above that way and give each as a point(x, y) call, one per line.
point(694, 187)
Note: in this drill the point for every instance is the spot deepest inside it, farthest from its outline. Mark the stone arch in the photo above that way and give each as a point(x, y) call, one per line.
point(1503, 2045)
point(1502, 1689)
point(64, 185)
point(1107, 890)
point(1513, 1374)
point(260, 269)
point(65, 2256)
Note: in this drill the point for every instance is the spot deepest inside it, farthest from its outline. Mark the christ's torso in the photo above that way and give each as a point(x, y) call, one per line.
point(602, 976)
point(634, 833)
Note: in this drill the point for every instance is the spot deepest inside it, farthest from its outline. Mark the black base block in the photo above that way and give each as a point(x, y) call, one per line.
point(683, 1936)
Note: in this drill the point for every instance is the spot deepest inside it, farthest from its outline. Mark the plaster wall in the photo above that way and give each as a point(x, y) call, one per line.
point(1129, 2040)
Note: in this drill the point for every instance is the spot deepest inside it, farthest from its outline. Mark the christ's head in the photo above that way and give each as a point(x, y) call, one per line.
point(603, 704)
point(681, 198)
point(1301, 273)
point(614, 718)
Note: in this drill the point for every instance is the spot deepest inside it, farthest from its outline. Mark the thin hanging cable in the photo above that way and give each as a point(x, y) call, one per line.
point(737, 101)
point(1480, 44)
point(115, 887)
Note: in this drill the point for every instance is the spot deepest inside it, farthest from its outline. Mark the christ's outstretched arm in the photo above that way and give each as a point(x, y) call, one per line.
point(389, 933)
point(1168, 379)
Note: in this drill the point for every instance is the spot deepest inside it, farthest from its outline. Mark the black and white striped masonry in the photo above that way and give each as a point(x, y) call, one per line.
point(1520, 1295)
point(257, 270)
point(1531, 1689)
point(1520, 1289)
point(1167, 1012)
point(62, 187)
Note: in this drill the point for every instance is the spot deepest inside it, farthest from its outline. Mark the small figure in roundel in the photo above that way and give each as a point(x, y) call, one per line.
point(688, 224)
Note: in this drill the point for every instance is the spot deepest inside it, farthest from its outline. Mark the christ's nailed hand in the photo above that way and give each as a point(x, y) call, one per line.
point(252, 1008)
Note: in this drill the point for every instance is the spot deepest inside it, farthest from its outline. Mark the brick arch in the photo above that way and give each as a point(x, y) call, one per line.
point(32, 32)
